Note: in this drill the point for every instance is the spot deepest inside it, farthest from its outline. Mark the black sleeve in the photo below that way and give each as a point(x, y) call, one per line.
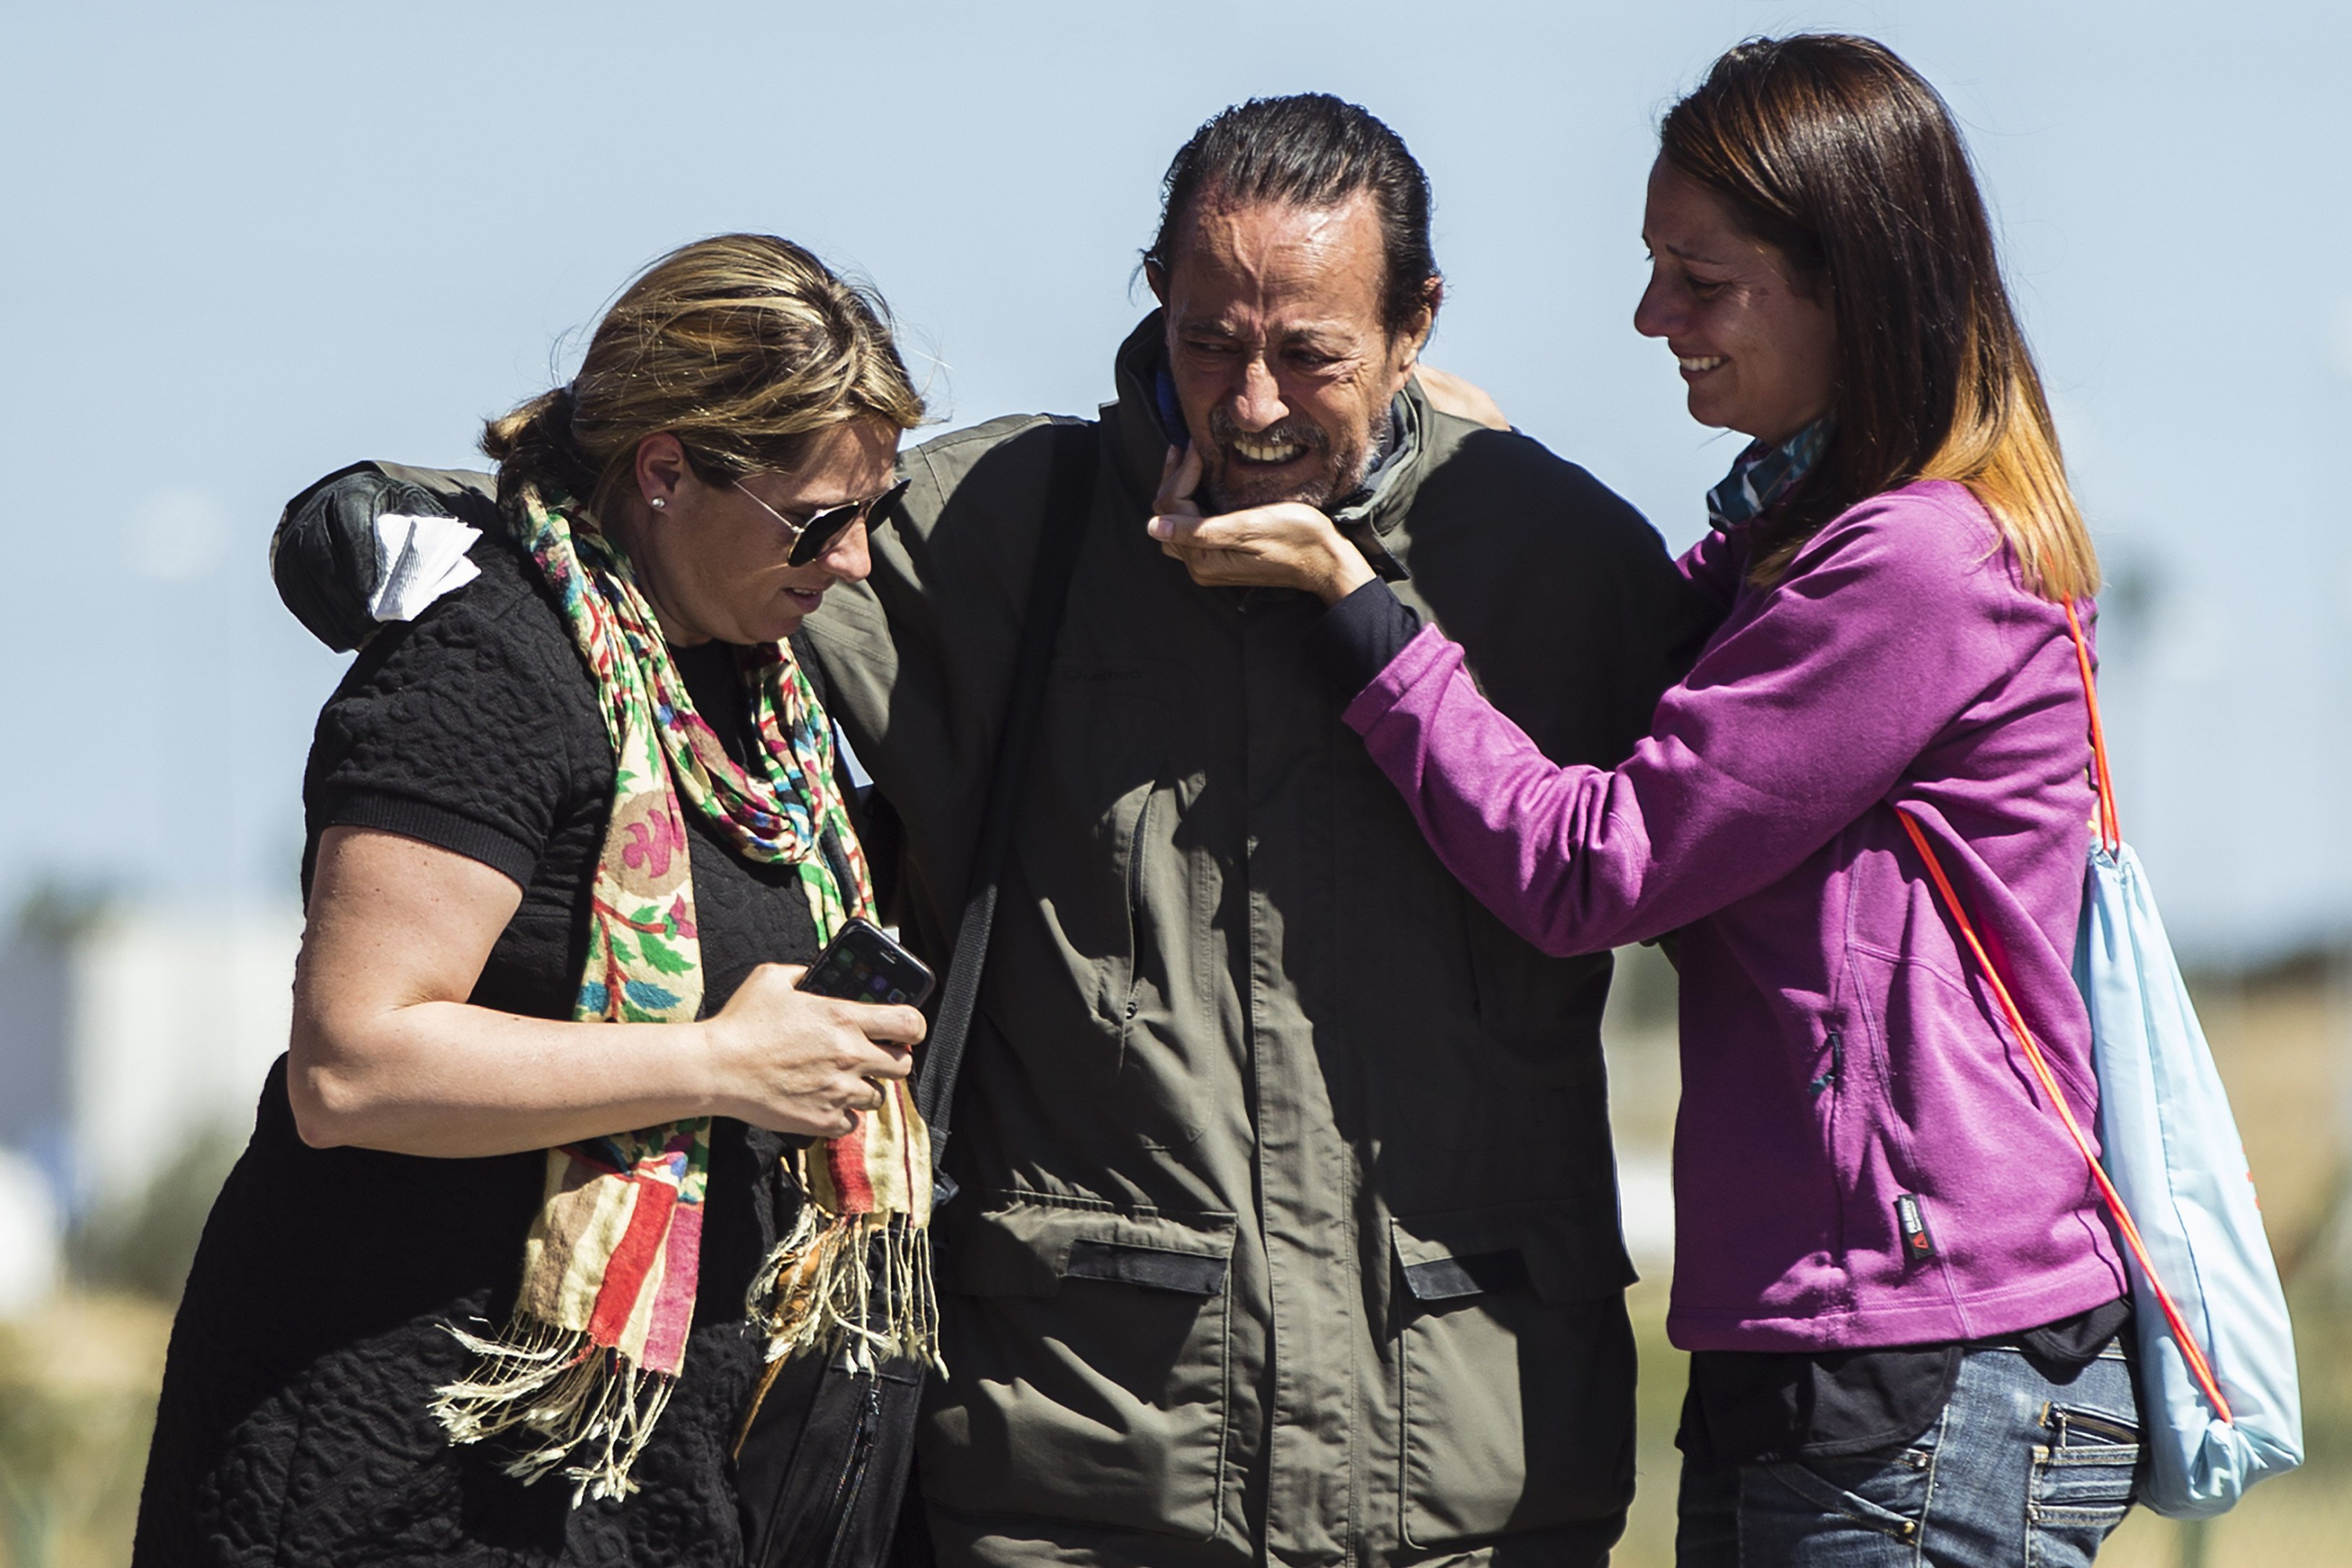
point(322, 553)
point(1629, 622)
point(1361, 636)
point(458, 730)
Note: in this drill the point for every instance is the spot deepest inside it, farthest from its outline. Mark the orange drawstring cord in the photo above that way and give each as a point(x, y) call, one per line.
point(2111, 833)
point(2111, 838)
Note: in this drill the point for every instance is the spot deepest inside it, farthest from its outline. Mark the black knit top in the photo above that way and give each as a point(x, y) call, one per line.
point(294, 1425)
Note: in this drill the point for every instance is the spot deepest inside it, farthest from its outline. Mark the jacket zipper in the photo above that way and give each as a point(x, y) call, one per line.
point(1135, 908)
point(1832, 1083)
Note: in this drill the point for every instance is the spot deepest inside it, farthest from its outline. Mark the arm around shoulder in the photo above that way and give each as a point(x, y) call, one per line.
point(325, 555)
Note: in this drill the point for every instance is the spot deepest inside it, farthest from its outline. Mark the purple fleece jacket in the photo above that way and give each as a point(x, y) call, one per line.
point(1837, 1050)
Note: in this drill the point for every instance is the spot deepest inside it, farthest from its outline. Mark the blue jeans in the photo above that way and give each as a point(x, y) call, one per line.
point(2018, 1471)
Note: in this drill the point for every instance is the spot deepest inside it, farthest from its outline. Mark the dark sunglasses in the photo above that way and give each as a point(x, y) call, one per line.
point(815, 537)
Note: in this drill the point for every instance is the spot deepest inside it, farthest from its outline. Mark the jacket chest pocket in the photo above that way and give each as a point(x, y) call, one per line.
point(1087, 1367)
point(1515, 1369)
point(1094, 791)
point(1098, 965)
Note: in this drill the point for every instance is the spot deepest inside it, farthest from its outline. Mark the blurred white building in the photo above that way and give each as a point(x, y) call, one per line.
point(29, 1236)
point(133, 1034)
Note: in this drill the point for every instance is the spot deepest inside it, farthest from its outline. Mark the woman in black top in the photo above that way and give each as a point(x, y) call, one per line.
point(736, 411)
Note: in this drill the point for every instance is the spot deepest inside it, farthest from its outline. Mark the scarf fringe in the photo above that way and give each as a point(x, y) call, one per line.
point(816, 1291)
point(566, 1390)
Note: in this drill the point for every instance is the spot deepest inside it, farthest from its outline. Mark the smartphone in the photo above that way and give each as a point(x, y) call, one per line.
point(861, 964)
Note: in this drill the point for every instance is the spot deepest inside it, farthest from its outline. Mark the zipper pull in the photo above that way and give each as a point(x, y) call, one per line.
point(1837, 1066)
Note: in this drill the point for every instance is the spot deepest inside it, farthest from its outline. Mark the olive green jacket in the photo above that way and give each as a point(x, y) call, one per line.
point(1288, 1221)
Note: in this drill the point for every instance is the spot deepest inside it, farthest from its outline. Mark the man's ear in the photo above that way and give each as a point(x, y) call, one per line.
point(1154, 275)
point(661, 468)
point(1414, 334)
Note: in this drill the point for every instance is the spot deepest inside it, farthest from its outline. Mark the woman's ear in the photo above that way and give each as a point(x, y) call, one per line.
point(660, 470)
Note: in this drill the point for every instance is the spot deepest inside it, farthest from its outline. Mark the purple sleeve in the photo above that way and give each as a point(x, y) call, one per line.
point(1802, 715)
point(1715, 565)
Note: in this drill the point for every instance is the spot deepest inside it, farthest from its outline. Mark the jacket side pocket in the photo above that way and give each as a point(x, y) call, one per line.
point(1086, 1366)
point(1516, 1369)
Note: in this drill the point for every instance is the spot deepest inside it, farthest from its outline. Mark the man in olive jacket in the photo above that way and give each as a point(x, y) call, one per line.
point(1289, 1228)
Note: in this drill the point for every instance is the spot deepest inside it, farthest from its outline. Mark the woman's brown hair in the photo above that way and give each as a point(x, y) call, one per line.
point(745, 347)
point(1832, 150)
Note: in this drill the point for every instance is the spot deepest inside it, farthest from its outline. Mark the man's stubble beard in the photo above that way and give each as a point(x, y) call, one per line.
point(1343, 472)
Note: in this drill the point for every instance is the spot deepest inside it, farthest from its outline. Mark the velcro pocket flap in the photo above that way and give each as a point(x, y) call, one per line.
point(1565, 1249)
point(1028, 1246)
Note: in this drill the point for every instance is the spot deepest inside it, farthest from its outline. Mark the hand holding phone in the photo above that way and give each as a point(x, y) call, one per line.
point(806, 1051)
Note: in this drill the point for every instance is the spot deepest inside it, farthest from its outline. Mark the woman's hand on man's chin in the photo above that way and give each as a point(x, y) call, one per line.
point(1287, 545)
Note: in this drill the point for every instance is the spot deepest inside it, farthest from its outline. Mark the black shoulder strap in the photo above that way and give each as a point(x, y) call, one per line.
point(1069, 499)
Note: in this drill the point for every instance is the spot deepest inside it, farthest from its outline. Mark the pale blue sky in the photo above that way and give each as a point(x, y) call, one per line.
point(249, 243)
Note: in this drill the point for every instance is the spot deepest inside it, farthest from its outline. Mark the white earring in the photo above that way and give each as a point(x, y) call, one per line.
point(658, 503)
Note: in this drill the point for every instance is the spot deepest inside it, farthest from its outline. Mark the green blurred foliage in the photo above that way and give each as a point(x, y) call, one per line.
point(145, 1246)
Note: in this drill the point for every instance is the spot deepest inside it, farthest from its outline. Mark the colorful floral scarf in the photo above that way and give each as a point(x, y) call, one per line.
point(1764, 472)
point(599, 1330)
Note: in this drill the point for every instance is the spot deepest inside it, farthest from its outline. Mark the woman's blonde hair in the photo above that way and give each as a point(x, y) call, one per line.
point(1832, 150)
point(745, 347)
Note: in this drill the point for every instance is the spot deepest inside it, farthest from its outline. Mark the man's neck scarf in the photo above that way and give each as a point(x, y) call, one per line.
point(598, 1336)
point(1764, 472)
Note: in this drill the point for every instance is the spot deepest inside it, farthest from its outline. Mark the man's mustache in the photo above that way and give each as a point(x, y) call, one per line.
point(1223, 431)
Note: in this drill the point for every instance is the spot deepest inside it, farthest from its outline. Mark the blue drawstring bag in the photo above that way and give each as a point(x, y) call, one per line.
point(2174, 1156)
point(2218, 1407)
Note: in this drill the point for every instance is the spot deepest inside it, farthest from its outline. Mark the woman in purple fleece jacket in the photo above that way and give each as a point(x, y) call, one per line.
point(1892, 1269)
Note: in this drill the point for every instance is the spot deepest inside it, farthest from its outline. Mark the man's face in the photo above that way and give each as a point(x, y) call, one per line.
point(1281, 360)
